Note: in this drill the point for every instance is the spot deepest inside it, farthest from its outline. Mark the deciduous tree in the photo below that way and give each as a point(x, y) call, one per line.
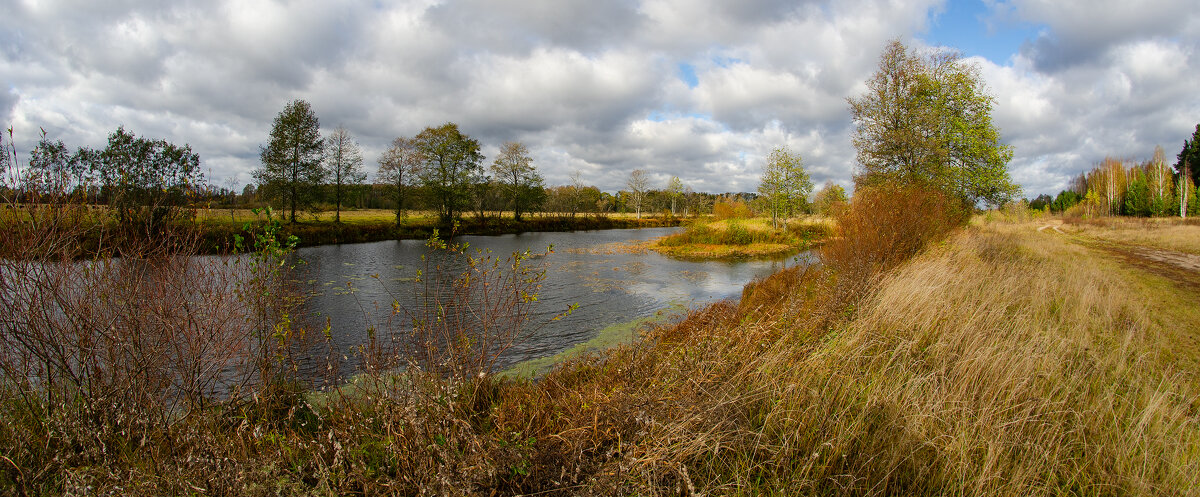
point(452, 165)
point(399, 167)
point(292, 172)
point(146, 181)
point(520, 183)
point(638, 183)
point(675, 190)
point(927, 118)
point(344, 160)
point(785, 184)
point(828, 198)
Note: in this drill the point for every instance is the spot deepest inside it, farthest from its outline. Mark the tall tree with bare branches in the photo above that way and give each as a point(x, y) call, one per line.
point(343, 159)
point(398, 168)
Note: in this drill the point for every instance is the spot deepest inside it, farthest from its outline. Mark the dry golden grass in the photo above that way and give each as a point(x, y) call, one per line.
point(1004, 362)
point(1000, 361)
point(740, 238)
point(348, 216)
point(1047, 375)
point(1162, 233)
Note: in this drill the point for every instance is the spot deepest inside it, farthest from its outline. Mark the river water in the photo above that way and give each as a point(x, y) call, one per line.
point(353, 287)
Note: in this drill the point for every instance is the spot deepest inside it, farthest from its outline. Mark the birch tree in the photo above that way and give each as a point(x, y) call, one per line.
point(785, 184)
point(638, 183)
point(398, 168)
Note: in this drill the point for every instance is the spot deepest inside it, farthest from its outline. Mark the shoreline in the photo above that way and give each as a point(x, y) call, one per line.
point(218, 237)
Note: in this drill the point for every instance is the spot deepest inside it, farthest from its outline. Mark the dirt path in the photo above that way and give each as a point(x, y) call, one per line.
point(1178, 259)
point(1180, 267)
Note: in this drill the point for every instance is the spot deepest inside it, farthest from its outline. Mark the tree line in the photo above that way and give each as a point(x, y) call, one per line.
point(442, 169)
point(1149, 188)
point(143, 181)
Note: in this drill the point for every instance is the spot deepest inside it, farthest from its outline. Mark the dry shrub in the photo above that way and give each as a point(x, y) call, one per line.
point(106, 362)
point(470, 307)
point(883, 226)
point(731, 209)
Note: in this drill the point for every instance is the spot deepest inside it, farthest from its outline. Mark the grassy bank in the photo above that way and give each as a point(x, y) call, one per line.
point(922, 358)
point(377, 225)
point(736, 238)
point(93, 228)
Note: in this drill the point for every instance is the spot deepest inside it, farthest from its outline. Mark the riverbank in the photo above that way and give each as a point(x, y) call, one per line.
point(732, 239)
point(213, 231)
point(923, 357)
point(218, 232)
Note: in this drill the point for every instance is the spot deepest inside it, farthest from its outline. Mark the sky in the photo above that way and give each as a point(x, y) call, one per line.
point(700, 89)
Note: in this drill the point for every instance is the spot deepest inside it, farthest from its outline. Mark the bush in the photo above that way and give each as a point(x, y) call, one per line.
point(732, 209)
point(885, 225)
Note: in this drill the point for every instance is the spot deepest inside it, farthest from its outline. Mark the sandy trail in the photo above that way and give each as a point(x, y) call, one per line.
point(1183, 268)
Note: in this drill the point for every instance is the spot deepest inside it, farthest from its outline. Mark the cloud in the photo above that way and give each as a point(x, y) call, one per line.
point(593, 87)
point(1083, 32)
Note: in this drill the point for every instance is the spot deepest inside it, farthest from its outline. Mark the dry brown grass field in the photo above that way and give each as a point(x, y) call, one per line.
point(1163, 233)
point(921, 358)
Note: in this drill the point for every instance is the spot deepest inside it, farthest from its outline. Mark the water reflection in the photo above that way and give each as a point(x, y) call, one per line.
point(354, 285)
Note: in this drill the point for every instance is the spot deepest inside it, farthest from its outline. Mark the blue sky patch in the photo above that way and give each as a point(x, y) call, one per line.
point(687, 74)
point(963, 25)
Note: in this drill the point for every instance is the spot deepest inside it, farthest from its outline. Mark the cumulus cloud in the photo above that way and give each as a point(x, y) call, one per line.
point(593, 88)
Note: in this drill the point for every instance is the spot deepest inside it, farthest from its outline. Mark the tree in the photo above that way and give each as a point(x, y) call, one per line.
point(451, 166)
point(398, 167)
point(1188, 160)
point(344, 162)
point(828, 198)
point(576, 193)
point(146, 181)
point(1041, 202)
point(785, 185)
point(1186, 198)
point(1137, 196)
point(520, 183)
point(1065, 200)
point(675, 190)
point(638, 184)
point(1108, 181)
point(292, 172)
point(54, 170)
point(927, 119)
point(1158, 182)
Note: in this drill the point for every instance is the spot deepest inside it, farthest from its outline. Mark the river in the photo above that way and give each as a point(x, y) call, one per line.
point(352, 287)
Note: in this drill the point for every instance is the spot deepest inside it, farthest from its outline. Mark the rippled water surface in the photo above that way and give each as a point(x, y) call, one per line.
point(593, 269)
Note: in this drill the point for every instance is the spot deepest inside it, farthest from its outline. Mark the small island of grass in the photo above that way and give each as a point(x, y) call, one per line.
point(740, 238)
